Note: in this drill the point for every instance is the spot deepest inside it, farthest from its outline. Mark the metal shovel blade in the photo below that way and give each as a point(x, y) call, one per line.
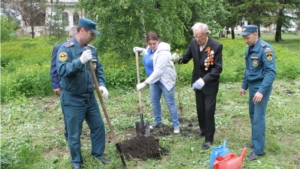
point(142, 130)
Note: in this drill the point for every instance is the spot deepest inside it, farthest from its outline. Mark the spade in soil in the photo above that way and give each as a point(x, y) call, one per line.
point(142, 128)
point(119, 150)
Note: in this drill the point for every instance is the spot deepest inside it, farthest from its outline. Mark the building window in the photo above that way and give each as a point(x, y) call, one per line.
point(66, 18)
point(75, 18)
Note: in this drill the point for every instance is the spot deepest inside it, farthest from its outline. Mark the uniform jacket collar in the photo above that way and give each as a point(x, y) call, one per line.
point(257, 45)
point(78, 48)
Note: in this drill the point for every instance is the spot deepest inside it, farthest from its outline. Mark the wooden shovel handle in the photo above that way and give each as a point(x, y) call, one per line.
point(138, 81)
point(114, 139)
point(102, 102)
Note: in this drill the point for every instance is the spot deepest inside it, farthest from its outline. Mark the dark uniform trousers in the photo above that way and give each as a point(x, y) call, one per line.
point(258, 122)
point(206, 106)
point(76, 109)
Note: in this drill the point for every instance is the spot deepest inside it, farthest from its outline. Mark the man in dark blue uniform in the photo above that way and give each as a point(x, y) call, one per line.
point(77, 96)
point(259, 76)
point(53, 73)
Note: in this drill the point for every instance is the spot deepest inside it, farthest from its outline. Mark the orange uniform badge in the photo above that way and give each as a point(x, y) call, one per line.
point(63, 56)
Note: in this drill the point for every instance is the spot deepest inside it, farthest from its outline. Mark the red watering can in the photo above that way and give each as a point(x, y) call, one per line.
point(230, 161)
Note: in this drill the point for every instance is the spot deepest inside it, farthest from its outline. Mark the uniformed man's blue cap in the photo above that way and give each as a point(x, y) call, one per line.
point(247, 29)
point(88, 24)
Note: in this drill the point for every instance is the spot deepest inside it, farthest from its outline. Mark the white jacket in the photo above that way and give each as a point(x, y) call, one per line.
point(163, 67)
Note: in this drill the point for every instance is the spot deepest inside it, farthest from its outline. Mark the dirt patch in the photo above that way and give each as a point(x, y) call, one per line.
point(142, 148)
point(189, 131)
point(56, 152)
point(289, 92)
point(148, 147)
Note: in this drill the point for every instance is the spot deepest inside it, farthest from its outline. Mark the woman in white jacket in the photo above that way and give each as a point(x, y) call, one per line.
point(161, 74)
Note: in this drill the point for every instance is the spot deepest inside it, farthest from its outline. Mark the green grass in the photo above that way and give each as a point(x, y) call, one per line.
point(32, 130)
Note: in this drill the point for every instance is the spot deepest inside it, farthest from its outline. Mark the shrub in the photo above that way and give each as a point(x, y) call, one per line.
point(120, 72)
point(7, 28)
point(26, 62)
point(25, 68)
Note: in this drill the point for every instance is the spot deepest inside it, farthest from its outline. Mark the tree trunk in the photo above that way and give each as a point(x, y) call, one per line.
point(32, 30)
point(278, 33)
point(279, 25)
point(297, 27)
point(232, 33)
point(258, 30)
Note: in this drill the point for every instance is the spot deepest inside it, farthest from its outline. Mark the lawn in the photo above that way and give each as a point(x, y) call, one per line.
point(32, 130)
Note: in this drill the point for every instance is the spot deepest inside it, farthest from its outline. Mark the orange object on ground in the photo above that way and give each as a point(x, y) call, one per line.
point(230, 161)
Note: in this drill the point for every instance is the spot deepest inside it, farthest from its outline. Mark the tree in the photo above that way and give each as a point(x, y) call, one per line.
point(7, 28)
point(32, 12)
point(233, 17)
point(211, 12)
point(124, 23)
point(257, 12)
point(285, 14)
point(262, 13)
point(56, 23)
point(11, 15)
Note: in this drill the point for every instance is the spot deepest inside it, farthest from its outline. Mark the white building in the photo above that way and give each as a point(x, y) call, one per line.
point(71, 17)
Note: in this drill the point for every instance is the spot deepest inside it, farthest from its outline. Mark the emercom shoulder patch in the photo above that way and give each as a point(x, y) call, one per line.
point(63, 56)
point(269, 56)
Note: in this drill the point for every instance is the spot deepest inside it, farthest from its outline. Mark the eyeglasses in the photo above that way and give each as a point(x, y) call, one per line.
point(198, 36)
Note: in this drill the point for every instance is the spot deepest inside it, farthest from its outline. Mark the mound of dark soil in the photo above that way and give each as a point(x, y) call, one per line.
point(142, 147)
point(148, 147)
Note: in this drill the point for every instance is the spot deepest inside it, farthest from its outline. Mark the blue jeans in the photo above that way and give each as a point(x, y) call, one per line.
point(156, 90)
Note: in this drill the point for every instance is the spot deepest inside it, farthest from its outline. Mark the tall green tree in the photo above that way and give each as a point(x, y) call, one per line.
point(287, 12)
point(233, 17)
point(211, 12)
point(124, 23)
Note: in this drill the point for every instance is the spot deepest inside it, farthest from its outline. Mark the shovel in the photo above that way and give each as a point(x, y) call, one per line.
point(105, 112)
point(142, 128)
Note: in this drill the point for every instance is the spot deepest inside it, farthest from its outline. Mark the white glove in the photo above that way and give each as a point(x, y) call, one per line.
point(198, 84)
point(139, 49)
point(140, 86)
point(104, 91)
point(175, 57)
point(85, 56)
